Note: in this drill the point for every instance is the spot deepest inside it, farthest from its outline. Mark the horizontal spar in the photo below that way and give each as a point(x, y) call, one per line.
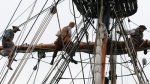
point(83, 47)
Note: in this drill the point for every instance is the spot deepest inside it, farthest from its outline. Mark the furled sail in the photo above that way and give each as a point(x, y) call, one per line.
point(100, 55)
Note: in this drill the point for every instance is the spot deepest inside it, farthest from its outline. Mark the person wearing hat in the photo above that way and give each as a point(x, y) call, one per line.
point(136, 34)
point(64, 36)
point(8, 44)
point(136, 38)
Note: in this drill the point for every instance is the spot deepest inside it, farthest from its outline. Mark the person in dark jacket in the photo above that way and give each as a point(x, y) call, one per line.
point(136, 38)
point(136, 34)
point(8, 45)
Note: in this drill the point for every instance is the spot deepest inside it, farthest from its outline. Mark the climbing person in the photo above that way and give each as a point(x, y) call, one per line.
point(8, 47)
point(63, 37)
point(136, 37)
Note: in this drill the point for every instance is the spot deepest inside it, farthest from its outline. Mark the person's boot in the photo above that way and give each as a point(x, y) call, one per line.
point(14, 59)
point(74, 61)
point(9, 63)
point(9, 67)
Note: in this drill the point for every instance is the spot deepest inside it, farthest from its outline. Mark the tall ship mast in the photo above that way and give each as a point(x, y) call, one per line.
point(97, 45)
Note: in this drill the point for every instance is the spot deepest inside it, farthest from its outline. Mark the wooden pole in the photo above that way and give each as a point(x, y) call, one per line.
point(83, 46)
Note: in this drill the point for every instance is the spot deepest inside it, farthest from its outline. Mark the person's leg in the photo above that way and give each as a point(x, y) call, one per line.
point(71, 53)
point(57, 48)
point(10, 61)
point(12, 48)
point(54, 54)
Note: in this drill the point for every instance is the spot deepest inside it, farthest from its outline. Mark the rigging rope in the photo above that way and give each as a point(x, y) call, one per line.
point(37, 65)
point(13, 15)
point(3, 33)
point(62, 67)
point(30, 77)
point(37, 15)
point(124, 56)
point(116, 24)
point(82, 68)
point(16, 42)
point(36, 40)
point(127, 46)
point(21, 15)
point(39, 31)
point(139, 75)
point(73, 10)
point(37, 71)
point(80, 72)
point(78, 38)
point(71, 74)
point(21, 61)
point(57, 58)
point(64, 64)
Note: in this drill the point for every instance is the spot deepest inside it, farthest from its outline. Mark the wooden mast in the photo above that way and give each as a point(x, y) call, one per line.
point(112, 59)
point(100, 49)
point(103, 58)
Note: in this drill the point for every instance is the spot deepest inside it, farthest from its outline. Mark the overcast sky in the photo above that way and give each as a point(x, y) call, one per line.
point(7, 8)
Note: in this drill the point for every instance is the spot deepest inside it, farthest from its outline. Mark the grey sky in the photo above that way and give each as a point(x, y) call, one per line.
point(7, 7)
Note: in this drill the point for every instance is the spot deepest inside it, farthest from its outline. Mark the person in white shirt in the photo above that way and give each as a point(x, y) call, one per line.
point(65, 36)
